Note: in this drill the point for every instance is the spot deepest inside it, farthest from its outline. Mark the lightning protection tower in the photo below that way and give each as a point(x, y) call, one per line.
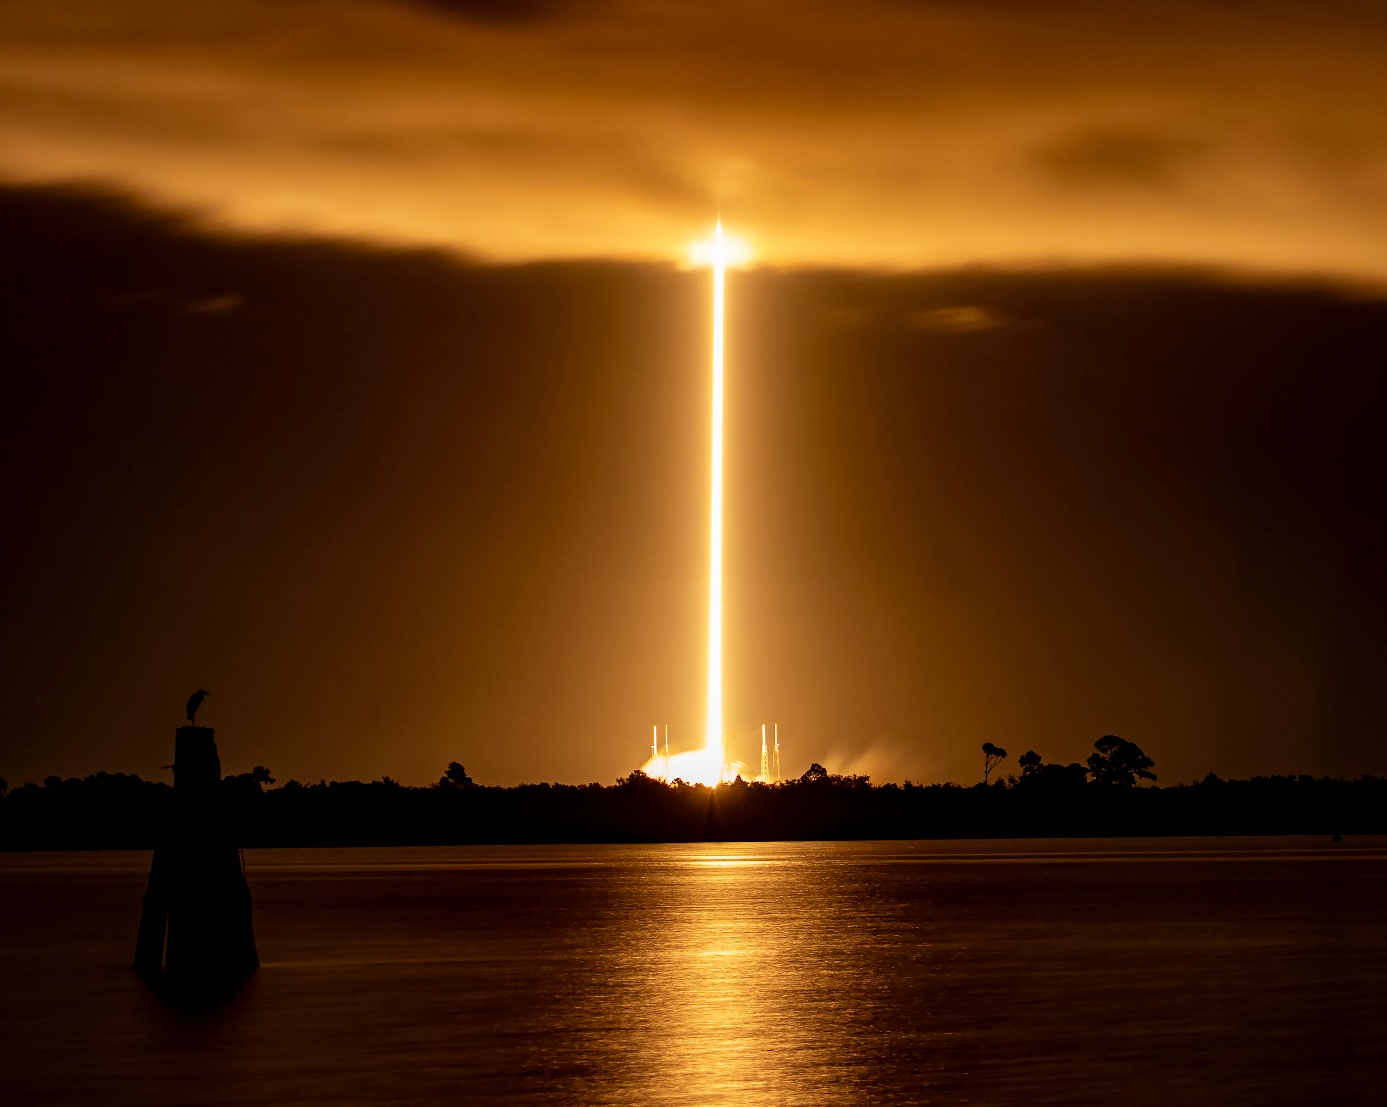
point(765, 763)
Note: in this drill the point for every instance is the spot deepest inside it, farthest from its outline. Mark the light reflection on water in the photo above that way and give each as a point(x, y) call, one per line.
point(721, 1009)
point(994, 972)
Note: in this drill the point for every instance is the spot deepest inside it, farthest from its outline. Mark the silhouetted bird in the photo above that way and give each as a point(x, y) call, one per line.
point(194, 702)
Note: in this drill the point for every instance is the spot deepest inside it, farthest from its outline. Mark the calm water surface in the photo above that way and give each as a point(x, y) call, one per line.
point(1174, 971)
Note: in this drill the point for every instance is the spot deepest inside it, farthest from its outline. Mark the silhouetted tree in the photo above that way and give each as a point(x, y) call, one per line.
point(1119, 762)
point(247, 788)
point(116, 810)
point(639, 778)
point(992, 756)
point(1052, 780)
point(3, 786)
point(1029, 762)
point(455, 776)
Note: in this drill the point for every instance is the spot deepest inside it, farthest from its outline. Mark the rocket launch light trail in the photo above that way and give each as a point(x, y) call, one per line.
point(720, 253)
point(712, 740)
point(705, 765)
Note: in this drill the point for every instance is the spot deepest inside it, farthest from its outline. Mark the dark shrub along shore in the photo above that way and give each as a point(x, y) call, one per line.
point(120, 811)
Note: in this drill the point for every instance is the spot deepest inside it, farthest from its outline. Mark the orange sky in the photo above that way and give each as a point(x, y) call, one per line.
point(884, 133)
point(393, 510)
point(396, 508)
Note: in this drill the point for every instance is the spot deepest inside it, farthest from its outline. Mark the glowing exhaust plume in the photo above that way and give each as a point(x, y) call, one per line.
point(705, 766)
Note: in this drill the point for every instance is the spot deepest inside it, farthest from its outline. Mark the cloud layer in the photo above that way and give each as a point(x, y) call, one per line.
point(874, 134)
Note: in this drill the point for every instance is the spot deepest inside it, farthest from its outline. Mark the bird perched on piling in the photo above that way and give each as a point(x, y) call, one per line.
point(194, 702)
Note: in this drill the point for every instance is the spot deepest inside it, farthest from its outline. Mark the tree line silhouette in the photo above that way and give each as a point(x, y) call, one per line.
point(1100, 798)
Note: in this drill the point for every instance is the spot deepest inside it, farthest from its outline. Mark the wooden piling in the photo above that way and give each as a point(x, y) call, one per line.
point(195, 930)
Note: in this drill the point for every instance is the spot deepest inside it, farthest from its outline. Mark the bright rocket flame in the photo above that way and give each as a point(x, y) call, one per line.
point(692, 766)
point(721, 249)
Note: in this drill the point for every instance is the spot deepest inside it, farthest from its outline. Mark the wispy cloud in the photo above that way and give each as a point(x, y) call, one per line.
point(962, 319)
point(1117, 157)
